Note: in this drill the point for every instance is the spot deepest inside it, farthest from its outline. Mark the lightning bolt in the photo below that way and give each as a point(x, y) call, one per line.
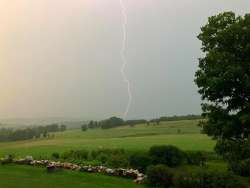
point(123, 56)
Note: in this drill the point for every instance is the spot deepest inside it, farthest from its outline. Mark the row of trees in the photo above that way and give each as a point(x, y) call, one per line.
point(112, 123)
point(7, 134)
point(175, 118)
point(104, 124)
point(116, 122)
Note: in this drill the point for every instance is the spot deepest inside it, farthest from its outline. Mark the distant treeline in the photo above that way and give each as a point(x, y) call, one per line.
point(117, 122)
point(8, 134)
point(177, 118)
point(111, 123)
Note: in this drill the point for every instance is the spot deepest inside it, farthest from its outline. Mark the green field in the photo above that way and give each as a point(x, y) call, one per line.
point(184, 134)
point(12, 176)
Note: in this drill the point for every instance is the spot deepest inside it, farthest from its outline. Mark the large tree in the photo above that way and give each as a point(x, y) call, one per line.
point(223, 77)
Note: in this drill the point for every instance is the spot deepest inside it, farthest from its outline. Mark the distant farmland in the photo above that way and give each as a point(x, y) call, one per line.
point(185, 134)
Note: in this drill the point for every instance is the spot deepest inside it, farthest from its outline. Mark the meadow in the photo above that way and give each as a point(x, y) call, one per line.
point(184, 134)
point(12, 176)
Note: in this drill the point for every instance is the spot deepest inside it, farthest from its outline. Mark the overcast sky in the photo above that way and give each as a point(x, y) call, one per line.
point(61, 58)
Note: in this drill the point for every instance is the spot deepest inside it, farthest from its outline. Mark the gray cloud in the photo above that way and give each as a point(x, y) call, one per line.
point(62, 58)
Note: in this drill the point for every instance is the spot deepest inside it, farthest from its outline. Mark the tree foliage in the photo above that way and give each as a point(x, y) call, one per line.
point(167, 155)
point(111, 123)
point(30, 132)
point(159, 176)
point(223, 76)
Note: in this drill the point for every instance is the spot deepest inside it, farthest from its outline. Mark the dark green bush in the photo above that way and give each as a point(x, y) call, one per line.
point(91, 163)
point(55, 155)
point(208, 179)
point(94, 154)
point(159, 176)
point(118, 161)
point(103, 158)
point(168, 155)
point(241, 168)
point(81, 154)
point(196, 158)
point(220, 180)
point(140, 161)
point(212, 156)
point(8, 159)
point(187, 181)
point(245, 166)
point(233, 150)
point(84, 128)
point(75, 154)
point(65, 155)
point(108, 152)
point(112, 157)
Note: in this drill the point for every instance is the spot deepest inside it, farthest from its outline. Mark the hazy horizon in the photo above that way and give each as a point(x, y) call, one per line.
point(61, 58)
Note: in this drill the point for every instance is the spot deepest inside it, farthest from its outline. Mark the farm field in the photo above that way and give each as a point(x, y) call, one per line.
point(12, 176)
point(183, 134)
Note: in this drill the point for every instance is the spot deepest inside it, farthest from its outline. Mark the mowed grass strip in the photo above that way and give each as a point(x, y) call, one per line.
point(183, 134)
point(12, 176)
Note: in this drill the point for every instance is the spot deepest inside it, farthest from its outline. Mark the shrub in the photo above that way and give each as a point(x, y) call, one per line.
point(220, 179)
point(196, 158)
point(8, 159)
point(91, 163)
point(168, 155)
point(108, 152)
point(241, 168)
point(65, 155)
point(84, 128)
point(233, 150)
point(208, 179)
point(159, 176)
point(81, 154)
point(111, 157)
point(55, 155)
point(103, 158)
point(118, 161)
point(139, 161)
point(187, 181)
point(76, 154)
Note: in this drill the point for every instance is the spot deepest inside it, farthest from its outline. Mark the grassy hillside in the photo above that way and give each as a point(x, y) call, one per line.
point(12, 176)
point(184, 134)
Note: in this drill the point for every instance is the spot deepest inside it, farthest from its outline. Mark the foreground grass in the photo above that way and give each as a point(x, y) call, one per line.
point(12, 176)
point(183, 134)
